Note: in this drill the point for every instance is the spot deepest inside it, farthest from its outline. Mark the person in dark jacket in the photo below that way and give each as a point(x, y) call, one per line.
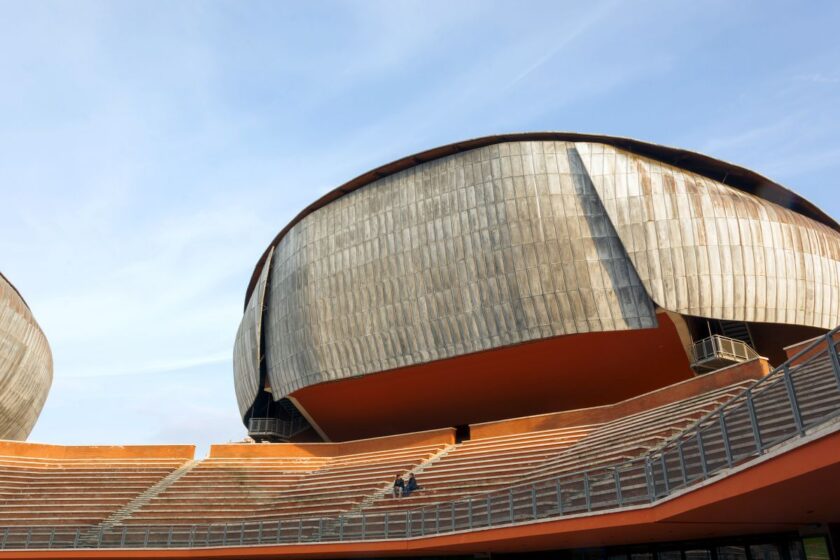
point(411, 486)
point(399, 486)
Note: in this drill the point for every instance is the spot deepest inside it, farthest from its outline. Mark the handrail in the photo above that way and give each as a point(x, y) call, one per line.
point(772, 410)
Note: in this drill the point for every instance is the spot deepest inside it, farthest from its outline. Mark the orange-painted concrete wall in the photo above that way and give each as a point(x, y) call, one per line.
point(754, 369)
point(252, 450)
point(48, 451)
point(794, 349)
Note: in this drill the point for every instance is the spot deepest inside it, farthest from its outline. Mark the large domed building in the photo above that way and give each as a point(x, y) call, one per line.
point(544, 345)
point(521, 274)
point(25, 365)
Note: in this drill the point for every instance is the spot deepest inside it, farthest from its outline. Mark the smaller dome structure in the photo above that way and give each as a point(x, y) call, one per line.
point(26, 366)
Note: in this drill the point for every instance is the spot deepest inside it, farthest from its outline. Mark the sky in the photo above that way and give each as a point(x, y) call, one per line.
point(150, 151)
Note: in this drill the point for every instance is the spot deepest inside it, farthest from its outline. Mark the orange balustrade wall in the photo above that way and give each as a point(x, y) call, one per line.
point(251, 450)
point(48, 451)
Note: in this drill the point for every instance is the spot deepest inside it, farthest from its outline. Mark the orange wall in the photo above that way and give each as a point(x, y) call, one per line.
point(794, 349)
point(47, 451)
point(754, 369)
point(561, 373)
point(249, 450)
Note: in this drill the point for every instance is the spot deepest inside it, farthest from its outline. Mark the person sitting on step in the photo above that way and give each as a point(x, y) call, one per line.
point(399, 486)
point(411, 486)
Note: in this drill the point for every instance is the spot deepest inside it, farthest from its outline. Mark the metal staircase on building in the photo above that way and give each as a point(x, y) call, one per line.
point(738, 330)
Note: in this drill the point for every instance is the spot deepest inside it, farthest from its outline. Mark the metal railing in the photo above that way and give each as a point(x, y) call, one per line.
point(799, 395)
point(718, 347)
point(276, 427)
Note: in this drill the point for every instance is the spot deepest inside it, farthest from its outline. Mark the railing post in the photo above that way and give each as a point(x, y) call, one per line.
point(651, 489)
point(534, 501)
point(510, 503)
point(28, 538)
point(586, 493)
point(702, 450)
point(6, 537)
point(559, 497)
point(407, 523)
point(341, 527)
point(224, 534)
point(617, 479)
point(364, 525)
point(437, 518)
point(52, 538)
point(724, 432)
point(665, 477)
point(122, 537)
point(259, 532)
point(469, 513)
point(241, 533)
point(489, 516)
point(146, 538)
point(207, 535)
point(832, 354)
point(754, 422)
point(300, 530)
point(452, 507)
point(75, 538)
point(794, 406)
point(320, 529)
point(422, 521)
point(168, 538)
point(681, 455)
point(385, 523)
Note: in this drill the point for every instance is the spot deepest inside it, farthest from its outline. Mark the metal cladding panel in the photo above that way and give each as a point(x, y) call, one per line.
point(496, 246)
point(703, 248)
point(246, 348)
point(25, 366)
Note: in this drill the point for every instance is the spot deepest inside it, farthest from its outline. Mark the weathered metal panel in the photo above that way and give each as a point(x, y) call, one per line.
point(704, 248)
point(737, 177)
point(246, 348)
point(499, 245)
point(25, 366)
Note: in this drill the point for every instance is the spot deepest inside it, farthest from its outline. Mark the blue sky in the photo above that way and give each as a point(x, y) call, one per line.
point(149, 151)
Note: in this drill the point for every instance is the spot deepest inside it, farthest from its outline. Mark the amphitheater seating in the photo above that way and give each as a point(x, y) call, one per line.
point(289, 484)
point(220, 490)
point(632, 436)
point(73, 492)
point(484, 465)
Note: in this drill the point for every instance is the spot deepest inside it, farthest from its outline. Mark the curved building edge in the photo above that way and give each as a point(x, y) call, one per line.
point(729, 173)
point(26, 366)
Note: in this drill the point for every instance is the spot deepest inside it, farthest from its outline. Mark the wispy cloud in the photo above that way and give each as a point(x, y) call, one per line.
point(565, 35)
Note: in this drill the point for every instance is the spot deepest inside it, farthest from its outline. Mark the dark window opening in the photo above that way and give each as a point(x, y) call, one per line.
point(462, 433)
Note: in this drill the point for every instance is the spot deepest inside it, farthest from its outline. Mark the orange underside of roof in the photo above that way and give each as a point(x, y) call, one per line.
point(560, 373)
point(782, 493)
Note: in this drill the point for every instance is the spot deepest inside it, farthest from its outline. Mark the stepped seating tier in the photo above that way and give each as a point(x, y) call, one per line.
point(485, 465)
point(42, 485)
point(222, 489)
point(107, 489)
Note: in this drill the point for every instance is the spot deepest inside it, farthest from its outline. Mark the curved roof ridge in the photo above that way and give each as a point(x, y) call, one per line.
point(9, 282)
point(730, 174)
